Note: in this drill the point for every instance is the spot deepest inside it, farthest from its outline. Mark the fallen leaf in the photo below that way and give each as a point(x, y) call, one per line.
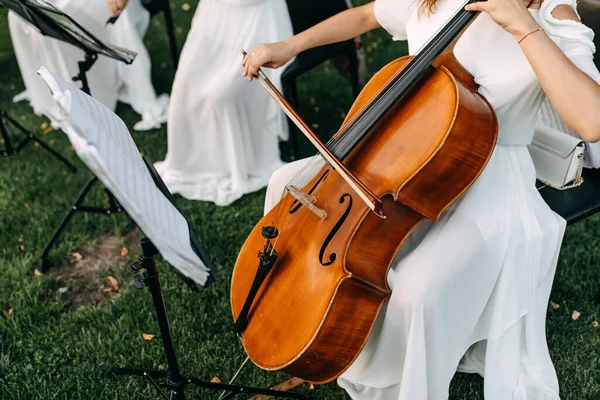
point(107, 290)
point(76, 257)
point(44, 125)
point(185, 7)
point(316, 126)
point(10, 312)
point(47, 130)
point(575, 315)
point(215, 380)
point(63, 290)
point(51, 141)
point(36, 273)
point(36, 144)
point(113, 282)
point(20, 239)
point(26, 205)
point(161, 367)
point(22, 247)
point(311, 387)
point(554, 305)
point(148, 336)
point(595, 324)
point(124, 251)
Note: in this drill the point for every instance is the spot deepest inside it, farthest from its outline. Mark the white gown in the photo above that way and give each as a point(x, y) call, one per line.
point(109, 80)
point(223, 131)
point(476, 285)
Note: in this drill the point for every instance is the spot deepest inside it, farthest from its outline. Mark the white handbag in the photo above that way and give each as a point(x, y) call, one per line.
point(558, 157)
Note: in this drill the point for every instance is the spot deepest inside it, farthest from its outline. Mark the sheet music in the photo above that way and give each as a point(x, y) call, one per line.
point(103, 142)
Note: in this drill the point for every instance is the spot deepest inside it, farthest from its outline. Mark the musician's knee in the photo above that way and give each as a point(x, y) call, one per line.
point(415, 295)
point(276, 186)
point(281, 177)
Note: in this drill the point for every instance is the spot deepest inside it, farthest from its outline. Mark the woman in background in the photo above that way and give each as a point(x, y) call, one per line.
point(223, 132)
point(109, 80)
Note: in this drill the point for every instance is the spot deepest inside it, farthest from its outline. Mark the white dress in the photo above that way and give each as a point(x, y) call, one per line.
point(476, 285)
point(109, 80)
point(223, 131)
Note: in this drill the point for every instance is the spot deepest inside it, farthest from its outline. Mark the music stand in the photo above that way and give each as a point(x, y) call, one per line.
point(105, 145)
point(52, 22)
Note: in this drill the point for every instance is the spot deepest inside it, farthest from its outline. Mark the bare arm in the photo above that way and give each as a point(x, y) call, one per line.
point(574, 95)
point(115, 7)
point(343, 26)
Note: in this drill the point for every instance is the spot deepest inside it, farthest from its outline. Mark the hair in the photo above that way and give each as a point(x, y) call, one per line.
point(428, 6)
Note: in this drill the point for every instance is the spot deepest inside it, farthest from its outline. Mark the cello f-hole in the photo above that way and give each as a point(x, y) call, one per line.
point(336, 228)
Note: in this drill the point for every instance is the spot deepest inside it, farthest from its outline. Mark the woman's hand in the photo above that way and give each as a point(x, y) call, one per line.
point(272, 55)
point(115, 7)
point(512, 15)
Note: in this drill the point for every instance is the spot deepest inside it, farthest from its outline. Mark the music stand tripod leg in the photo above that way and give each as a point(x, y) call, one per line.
point(175, 382)
point(29, 137)
point(8, 149)
point(44, 266)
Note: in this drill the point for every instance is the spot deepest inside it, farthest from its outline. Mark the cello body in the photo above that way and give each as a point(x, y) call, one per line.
point(318, 304)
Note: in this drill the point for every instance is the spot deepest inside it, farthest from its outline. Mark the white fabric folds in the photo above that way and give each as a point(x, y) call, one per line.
point(223, 131)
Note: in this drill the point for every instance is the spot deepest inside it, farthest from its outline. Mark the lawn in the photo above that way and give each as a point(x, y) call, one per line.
point(56, 345)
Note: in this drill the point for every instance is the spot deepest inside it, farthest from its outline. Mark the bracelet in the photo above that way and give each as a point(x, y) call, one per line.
point(530, 33)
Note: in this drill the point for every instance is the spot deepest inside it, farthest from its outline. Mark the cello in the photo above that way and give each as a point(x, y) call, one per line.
point(310, 280)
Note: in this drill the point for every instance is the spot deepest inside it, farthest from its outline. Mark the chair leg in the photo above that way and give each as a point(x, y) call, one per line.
point(293, 134)
point(354, 75)
point(171, 34)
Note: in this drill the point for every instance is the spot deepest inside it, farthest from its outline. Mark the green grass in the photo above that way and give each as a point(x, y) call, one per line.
point(49, 350)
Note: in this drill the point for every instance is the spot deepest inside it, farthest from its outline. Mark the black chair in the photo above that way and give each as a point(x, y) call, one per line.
point(304, 14)
point(156, 6)
point(577, 203)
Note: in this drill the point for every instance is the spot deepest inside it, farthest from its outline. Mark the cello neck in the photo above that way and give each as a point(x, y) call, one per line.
point(438, 50)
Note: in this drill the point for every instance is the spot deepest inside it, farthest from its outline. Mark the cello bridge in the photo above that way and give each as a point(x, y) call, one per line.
point(307, 201)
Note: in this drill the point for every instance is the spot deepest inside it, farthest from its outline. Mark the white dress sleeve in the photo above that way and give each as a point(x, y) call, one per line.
point(576, 41)
point(392, 15)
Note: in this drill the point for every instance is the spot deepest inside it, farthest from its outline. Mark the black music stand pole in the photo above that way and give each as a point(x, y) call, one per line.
point(84, 67)
point(171, 383)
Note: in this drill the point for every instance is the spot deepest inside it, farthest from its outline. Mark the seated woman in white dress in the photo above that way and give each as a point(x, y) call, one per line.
point(223, 133)
point(471, 292)
point(109, 80)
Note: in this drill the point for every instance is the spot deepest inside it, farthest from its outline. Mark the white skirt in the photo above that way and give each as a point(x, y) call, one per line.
point(223, 131)
point(474, 286)
point(109, 80)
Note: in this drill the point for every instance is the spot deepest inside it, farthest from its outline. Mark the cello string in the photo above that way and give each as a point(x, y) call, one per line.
point(418, 63)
